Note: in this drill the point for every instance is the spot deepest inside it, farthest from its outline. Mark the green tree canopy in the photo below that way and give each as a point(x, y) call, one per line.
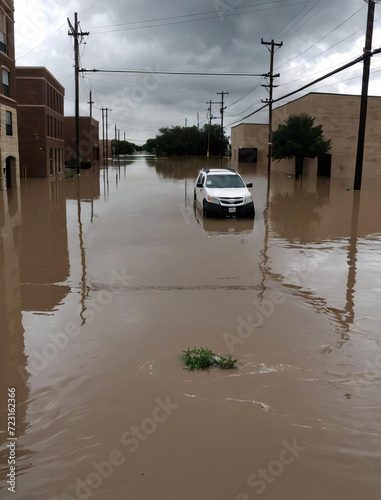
point(122, 147)
point(298, 138)
point(186, 141)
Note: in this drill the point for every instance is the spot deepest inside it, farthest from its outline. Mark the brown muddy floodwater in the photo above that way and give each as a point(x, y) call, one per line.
point(105, 281)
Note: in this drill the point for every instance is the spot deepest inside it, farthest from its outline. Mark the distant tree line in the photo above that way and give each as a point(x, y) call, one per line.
point(190, 141)
point(124, 147)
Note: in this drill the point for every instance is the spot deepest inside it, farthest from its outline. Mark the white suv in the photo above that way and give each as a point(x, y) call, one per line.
point(222, 192)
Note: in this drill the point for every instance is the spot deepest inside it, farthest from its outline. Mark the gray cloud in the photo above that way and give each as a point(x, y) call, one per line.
point(225, 36)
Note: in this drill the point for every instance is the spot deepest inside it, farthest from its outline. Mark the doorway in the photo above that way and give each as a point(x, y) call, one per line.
point(324, 165)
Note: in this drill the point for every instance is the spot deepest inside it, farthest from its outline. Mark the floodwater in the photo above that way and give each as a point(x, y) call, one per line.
point(104, 281)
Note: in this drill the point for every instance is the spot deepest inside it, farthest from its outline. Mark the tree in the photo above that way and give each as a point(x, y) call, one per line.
point(190, 141)
point(122, 147)
point(298, 138)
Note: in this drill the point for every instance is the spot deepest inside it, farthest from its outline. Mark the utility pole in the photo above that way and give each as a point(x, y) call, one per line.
point(222, 122)
point(211, 117)
point(271, 85)
point(74, 31)
point(364, 95)
point(103, 136)
point(198, 120)
point(116, 141)
point(91, 102)
point(210, 124)
point(107, 110)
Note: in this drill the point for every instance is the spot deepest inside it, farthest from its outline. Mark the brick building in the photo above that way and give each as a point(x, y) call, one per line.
point(88, 139)
point(339, 115)
point(40, 122)
point(9, 149)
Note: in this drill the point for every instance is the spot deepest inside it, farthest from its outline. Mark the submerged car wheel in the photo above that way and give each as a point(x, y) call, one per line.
point(205, 209)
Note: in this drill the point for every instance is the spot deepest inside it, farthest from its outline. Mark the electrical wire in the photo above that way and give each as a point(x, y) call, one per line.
point(317, 42)
point(341, 68)
point(216, 14)
point(47, 38)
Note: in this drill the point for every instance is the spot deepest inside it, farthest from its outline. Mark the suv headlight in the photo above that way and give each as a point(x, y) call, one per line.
point(248, 199)
point(212, 199)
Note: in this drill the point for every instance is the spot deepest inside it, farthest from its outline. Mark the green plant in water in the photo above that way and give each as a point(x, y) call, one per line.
point(202, 358)
point(227, 362)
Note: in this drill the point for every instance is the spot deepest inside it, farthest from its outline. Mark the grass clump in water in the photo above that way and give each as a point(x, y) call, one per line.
point(202, 358)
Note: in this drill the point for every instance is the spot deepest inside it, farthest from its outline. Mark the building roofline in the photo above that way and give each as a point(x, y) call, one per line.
point(327, 93)
point(305, 95)
point(44, 68)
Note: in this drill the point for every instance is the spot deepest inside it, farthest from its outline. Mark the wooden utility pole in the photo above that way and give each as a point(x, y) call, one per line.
point(364, 96)
point(116, 142)
point(211, 117)
point(107, 110)
point(103, 136)
point(74, 31)
point(270, 87)
point(91, 102)
point(222, 122)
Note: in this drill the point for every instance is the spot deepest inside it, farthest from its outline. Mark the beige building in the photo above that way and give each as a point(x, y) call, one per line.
point(339, 116)
point(9, 148)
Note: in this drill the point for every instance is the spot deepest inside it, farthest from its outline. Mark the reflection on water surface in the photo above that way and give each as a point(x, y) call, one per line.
point(107, 278)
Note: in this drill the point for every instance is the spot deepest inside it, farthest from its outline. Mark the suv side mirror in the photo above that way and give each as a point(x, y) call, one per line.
point(250, 185)
point(199, 185)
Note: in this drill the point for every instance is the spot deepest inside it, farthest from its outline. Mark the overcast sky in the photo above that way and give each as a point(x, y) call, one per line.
point(220, 36)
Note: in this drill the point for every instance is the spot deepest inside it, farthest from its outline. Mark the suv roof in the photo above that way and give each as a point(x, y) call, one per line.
point(219, 170)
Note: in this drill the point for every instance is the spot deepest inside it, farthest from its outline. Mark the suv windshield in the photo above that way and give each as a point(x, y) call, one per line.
point(224, 181)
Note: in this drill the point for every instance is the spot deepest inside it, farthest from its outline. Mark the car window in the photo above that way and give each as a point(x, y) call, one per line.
point(224, 181)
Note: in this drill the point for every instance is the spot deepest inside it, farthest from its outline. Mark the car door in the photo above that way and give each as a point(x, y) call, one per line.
point(200, 188)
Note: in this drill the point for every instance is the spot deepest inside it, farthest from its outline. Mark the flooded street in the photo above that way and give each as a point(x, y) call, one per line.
point(104, 281)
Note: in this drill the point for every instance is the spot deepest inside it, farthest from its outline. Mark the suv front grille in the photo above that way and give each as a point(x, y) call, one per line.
point(229, 202)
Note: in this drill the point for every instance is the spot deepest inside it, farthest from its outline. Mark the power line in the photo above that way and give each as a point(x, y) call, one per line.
point(315, 43)
point(220, 14)
point(179, 73)
point(341, 68)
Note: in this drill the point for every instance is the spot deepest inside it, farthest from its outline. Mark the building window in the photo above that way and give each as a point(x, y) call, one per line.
point(6, 82)
point(3, 32)
point(8, 123)
point(51, 162)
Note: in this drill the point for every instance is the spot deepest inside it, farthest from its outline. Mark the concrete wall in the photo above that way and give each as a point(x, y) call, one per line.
point(251, 135)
